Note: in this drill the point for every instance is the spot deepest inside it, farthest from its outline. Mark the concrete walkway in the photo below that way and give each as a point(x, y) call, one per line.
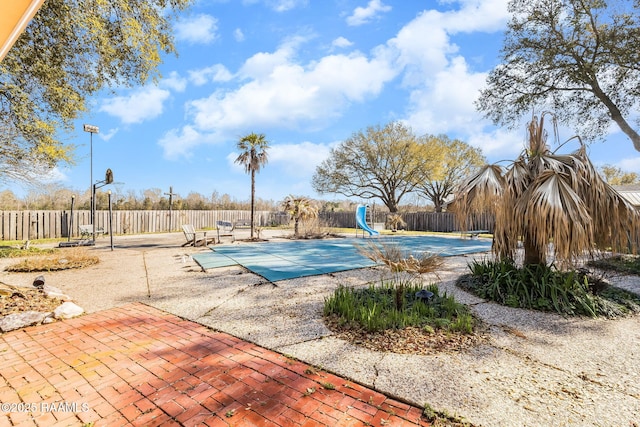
point(135, 365)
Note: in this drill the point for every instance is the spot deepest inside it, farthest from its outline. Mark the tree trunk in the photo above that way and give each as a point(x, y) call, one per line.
point(532, 254)
point(438, 206)
point(616, 115)
point(628, 130)
point(253, 197)
point(295, 227)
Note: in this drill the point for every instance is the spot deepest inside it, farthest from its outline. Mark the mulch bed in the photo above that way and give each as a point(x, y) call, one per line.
point(410, 340)
point(27, 300)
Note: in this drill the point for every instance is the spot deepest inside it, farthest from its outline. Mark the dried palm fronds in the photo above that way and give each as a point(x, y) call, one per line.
point(545, 198)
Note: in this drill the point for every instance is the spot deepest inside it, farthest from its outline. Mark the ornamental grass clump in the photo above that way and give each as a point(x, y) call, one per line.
point(546, 288)
point(400, 302)
point(393, 305)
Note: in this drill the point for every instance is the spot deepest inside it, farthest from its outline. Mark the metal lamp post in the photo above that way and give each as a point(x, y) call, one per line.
point(91, 129)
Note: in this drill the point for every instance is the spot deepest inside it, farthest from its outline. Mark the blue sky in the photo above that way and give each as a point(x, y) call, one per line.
point(307, 74)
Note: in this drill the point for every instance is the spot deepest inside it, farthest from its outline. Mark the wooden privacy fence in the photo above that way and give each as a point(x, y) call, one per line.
point(32, 225)
point(446, 222)
point(416, 221)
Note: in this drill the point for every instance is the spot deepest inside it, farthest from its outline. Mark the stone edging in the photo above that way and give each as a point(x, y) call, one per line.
point(66, 310)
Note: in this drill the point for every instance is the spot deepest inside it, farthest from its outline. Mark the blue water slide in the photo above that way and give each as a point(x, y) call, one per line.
point(361, 220)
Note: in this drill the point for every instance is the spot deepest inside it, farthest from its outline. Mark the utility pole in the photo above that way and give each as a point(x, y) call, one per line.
point(170, 194)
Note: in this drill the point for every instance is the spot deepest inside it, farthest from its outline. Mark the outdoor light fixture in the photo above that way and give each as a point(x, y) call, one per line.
point(91, 128)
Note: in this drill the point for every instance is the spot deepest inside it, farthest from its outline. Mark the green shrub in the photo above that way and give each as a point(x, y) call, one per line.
point(545, 288)
point(394, 305)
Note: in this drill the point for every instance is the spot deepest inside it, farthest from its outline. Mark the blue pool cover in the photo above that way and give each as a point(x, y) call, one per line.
point(299, 258)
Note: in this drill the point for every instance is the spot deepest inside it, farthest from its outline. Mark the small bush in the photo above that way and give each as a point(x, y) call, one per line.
point(545, 288)
point(394, 305)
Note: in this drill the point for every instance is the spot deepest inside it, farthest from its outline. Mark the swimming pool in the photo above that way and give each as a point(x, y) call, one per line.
point(299, 258)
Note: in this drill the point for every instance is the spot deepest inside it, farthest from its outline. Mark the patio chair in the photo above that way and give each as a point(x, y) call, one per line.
point(196, 238)
point(225, 228)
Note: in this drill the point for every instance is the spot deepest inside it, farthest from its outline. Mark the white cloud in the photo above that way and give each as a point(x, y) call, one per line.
point(142, 104)
point(53, 175)
point(422, 47)
point(341, 42)
point(285, 5)
point(279, 5)
point(231, 162)
point(108, 135)
point(238, 35)
point(198, 29)
point(446, 101)
point(296, 159)
point(476, 15)
point(262, 64)
point(364, 15)
point(175, 82)
point(180, 142)
point(442, 87)
point(630, 164)
point(215, 73)
point(280, 92)
point(498, 144)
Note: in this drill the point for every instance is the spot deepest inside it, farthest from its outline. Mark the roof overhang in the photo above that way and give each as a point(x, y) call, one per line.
point(14, 17)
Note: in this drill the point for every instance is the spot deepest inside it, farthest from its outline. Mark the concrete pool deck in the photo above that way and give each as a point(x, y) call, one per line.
point(535, 369)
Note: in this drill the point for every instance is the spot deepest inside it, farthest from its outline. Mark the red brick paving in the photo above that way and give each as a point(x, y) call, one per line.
point(139, 366)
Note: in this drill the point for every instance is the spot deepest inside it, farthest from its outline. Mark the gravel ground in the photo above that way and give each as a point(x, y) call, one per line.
point(534, 369)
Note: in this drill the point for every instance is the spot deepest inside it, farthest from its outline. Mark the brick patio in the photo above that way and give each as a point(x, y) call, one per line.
point(138, 366)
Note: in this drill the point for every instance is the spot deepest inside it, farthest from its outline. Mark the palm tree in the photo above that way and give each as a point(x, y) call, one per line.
point(253, 156)
point(395, 222)
point(300, 209)
point(545, 198)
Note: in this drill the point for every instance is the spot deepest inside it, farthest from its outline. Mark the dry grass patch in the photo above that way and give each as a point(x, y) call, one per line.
point(59, 260)
point(399, 260)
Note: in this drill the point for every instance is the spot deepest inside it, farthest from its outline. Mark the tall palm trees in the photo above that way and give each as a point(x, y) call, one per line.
point(253, 155)
point(546, 198)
